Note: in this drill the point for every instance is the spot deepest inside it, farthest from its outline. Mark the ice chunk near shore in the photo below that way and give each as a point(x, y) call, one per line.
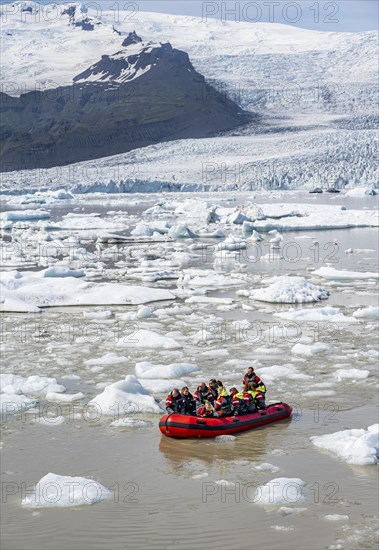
point(356, 446)
point(63, 491)
point(124, 397)
point(290, 290)
point(281, 491)
point(333, 274)
point(148, 370)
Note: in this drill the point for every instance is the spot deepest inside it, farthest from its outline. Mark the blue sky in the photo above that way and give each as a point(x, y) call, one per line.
point(339, 15)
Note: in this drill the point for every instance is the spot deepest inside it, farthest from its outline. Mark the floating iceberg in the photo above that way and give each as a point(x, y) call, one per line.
point(126, 397)
point(357, 446)
point(62, 491)
point(290, 290)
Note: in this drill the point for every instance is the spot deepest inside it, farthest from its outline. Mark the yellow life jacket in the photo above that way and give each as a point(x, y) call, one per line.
point(238, 395)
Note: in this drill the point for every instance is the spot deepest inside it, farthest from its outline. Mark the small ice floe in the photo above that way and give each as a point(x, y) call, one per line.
point(147, 339)
point(63, 491)
point(60, 271)
point(13, 403)
point(336, 517)
point(213, 279)
point(327, 313)
point(285, 528)
point(367, 312)
point(286, 511)
point(231, 244)
point(50, 421)
point(201, 475)
point(282, 372)
point(104, 314)
point(144, 230)
point(281, 491)
point(145, 369)
point(276, 240)
point(107, 359)
point(333, 274)
point(361, 192)
point(290, 290)
point(351, 374)
point(64, 397)
point(309, 351)
point(25, 215)
point(266, 467)
point(181, 231)
point(34, 385)
point(225, 483)
point(127, 396)
point(319, 393)
point(255, 236)
point(130, 423)
point(225, 438)
point(36, 291)
point(159, 386)
point(356, 446)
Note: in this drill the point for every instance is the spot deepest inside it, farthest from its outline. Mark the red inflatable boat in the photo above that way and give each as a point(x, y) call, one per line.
point(184, 426)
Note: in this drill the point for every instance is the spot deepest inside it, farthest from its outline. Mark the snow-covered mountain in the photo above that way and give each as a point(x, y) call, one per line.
point(144, 93)
point(316, 92)
point(262, 64)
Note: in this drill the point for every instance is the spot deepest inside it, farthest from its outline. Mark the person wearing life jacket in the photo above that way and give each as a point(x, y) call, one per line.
point(188, 402)
point(174, 402)
point(257, 395)
point(201, 395)
point(238, 402)
point(250, 377)
point(206, 410)
point(223, 404)
point(249, 399)
point(213, 388)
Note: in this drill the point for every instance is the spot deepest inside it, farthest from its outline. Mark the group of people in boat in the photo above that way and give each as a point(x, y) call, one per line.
point(215, 400)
